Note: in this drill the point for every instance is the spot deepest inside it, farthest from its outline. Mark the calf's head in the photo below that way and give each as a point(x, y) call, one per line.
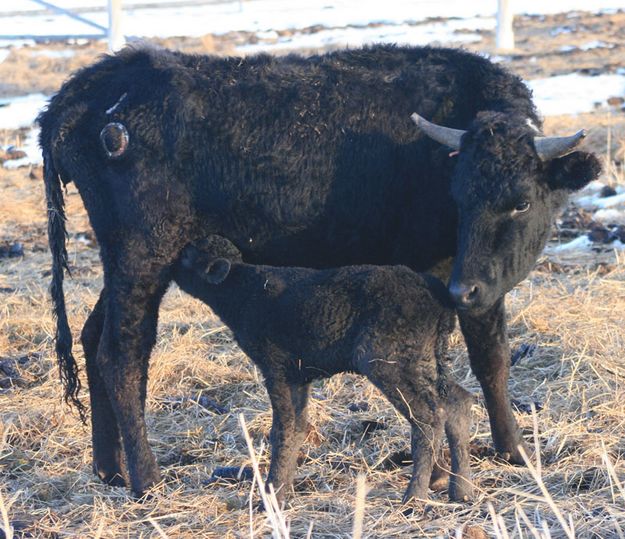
point(508, 185)
point(211, 258)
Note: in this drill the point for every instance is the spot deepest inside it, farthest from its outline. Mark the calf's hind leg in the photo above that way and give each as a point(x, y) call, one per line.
point(458, 404)
point(418, 403)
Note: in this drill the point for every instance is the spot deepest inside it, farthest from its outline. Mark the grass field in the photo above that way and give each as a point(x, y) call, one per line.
point(575, 373)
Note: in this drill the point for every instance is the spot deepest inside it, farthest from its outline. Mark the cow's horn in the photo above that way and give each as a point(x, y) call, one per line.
point(445, 135)
point(551, 147)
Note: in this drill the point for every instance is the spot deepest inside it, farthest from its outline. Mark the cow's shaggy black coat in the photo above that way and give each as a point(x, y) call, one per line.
point(300, 162)
point(385, 322)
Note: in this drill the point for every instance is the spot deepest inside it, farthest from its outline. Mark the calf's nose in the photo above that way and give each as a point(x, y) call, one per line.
point(464, 295)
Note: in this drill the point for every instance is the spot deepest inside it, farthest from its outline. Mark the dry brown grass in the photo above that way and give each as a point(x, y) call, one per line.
point(575, 318)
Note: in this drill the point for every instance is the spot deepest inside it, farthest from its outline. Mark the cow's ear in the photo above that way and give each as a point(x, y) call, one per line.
point(217, 270)
point(573, 171)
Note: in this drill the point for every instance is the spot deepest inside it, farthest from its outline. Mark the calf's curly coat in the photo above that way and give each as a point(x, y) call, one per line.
point(297, 325)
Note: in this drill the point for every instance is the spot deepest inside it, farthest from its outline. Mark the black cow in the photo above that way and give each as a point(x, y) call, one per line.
point(302, 162)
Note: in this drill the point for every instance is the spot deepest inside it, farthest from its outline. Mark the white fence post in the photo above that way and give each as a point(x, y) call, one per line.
point(505, 34)
point(115, 35)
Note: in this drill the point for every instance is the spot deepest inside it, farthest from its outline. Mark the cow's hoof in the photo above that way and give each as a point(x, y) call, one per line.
point(141, 485)
point(460, 490)
point(513, 456)
point(111, 475)
point(414, 495)
point(439, 479)
point(510, 453)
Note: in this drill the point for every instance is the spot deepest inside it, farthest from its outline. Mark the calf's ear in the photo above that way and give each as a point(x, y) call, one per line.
point(217, 270)
point(573, 171)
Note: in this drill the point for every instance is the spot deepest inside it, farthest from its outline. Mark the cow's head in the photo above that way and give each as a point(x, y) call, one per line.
point(508, 186)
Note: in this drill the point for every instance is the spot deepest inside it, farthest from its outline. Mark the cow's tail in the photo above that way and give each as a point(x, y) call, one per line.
point(56, 237)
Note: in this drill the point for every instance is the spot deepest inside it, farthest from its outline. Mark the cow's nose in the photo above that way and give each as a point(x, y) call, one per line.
point(465, 295)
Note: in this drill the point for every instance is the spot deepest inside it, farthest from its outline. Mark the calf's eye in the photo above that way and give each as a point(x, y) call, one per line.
point(522, 207)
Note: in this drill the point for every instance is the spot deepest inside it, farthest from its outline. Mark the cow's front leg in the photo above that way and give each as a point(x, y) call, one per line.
point(107, 449)
point(128, 337)
point(486, 336)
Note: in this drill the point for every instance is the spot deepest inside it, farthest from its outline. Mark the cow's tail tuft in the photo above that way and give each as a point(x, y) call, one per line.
point(57, 235)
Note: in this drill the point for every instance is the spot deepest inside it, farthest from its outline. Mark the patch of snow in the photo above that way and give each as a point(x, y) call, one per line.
point(581, 243)
point(574, 93)
point(21, 111)
point(404, 34)
point(567, 48)
point(4, 54)
point(601, 202)
point(562, 30)
point(180, 18)
point(47, 53)
point(33, 153)
point(596, 45)
point(16, 43)
point(610, 216)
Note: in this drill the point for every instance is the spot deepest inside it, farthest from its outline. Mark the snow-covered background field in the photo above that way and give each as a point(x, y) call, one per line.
point(282, 26)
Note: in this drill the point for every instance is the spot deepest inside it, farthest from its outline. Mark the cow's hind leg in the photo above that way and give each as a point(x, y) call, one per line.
point(128, 337)
point(107, 449)
point(487, 342)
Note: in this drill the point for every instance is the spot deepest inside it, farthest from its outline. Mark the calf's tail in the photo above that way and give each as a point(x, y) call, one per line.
point(56, 237)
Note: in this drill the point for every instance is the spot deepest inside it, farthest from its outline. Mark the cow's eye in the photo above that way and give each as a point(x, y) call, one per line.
point(522, 207)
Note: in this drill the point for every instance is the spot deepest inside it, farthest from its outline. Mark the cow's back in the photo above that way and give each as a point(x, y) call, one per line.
point(299, 161)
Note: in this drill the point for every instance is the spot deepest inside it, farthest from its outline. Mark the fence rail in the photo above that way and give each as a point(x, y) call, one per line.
point(113, 32)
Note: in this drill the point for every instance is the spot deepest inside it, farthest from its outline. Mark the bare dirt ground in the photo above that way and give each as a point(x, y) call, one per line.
point(566, 328)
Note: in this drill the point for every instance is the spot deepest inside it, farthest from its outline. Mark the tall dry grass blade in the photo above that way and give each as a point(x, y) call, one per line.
point(279, 527)
point(499, 526)
point(528, 523)
point(4, 513)
point(570, 532)
point(158, 529)
point(536, 439)
point(99, 531)
point(611, 471)
point(359, 511)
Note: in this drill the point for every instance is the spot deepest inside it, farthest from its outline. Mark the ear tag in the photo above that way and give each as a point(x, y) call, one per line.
point(114, 138)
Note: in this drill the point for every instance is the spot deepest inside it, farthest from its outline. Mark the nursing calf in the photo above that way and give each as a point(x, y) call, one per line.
point(298, 325)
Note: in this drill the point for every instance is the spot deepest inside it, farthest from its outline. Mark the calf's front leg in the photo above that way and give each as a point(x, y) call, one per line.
point(288, 432)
